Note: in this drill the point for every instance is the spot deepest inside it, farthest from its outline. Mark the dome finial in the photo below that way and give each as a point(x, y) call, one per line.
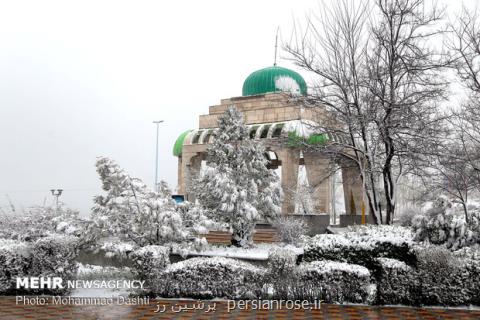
point(276, 42)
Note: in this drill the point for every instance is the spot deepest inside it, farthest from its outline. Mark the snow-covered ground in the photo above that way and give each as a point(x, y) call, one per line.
point(94, 272)
point(258, 252)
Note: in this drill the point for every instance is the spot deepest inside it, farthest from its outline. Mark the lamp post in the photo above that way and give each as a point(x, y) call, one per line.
point(56, 193)
point(156, 156)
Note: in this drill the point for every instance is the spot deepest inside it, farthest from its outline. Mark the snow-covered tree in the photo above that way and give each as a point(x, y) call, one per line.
point(131, 210)
point(445, 223)
point(237, 187)
point(379, 75)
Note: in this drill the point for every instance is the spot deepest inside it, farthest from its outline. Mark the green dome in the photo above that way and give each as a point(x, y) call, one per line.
point(274, 79)
point(178, 146)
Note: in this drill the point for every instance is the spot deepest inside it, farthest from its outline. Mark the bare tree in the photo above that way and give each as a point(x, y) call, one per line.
point(457, 164)
point(332, 46)
point(464, 42)
point(452, 175)
point(380, 81)
point(405, 84)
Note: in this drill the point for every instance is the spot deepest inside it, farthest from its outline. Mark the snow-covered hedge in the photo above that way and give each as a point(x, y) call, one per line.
point(444, 279)
point(361, 245)
point(281, 278)
point(149, 262)
point(15, 261)
point(281, 263)
point(52, 256)
point(334, 282)
point(210, 277)
point(395, 282)
point(440, 278)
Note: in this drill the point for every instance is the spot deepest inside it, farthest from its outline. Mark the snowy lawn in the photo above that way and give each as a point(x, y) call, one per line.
point(258, 252)
point(94, 272)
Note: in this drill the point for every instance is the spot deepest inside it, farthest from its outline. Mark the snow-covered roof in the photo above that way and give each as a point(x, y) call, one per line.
point(272, 130)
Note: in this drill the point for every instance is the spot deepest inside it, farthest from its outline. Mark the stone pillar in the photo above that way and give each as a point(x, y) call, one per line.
point(289, 159)
point(318, 173)
point(352, 188)
point(180, 184)
point(191, 164)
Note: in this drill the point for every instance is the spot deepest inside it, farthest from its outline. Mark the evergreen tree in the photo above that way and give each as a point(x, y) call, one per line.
point(237, 187)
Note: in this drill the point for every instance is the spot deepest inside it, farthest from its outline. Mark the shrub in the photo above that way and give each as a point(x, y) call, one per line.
point(205, 278)
point(446, 224)
point(333, 282)
point(40, 221)
point(149, 262)
point(114, 247)
point(281, 272)
point(472, 253)
point(281, 263)
point(406, 215)
point(361, 245)
point(289, 229)
point(15, 261)
point(443, 279)
point(439, 278)
point(54, 256)
point(395, 281)
point(472, 268)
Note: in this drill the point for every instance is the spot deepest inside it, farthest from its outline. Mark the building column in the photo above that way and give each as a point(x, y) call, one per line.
point(289, 159)
point(352, 188)
point(191, 164)
point(319, 173)
point(180, 184)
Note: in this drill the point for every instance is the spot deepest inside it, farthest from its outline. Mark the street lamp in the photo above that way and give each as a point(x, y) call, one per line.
point(156, 156)
point(56, 193)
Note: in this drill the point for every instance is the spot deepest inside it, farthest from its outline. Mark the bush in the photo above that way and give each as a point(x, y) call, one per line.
point(333, 282)
point(439, 278)
point(281, 263)
point(54, 256)
point(443, 279)
point(445, 223)
point(15, 261)
point(395, 281)
point(361, 245)
point(290, 230)
point(472, 253)
point(40, 221)
point(114, 247)
point(149, 262)
point(281, 273)
point(472, 268)
point(405, 216)
point(206, 278)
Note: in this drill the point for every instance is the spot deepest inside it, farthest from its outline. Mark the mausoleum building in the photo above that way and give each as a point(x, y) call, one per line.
point(277, 119)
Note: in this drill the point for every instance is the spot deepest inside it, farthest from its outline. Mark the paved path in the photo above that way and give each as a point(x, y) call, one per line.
point(10, 310)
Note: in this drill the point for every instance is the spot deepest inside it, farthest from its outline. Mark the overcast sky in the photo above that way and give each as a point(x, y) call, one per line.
point(81, 79)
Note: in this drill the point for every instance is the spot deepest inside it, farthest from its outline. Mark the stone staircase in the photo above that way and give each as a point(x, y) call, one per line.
point(261, 235)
